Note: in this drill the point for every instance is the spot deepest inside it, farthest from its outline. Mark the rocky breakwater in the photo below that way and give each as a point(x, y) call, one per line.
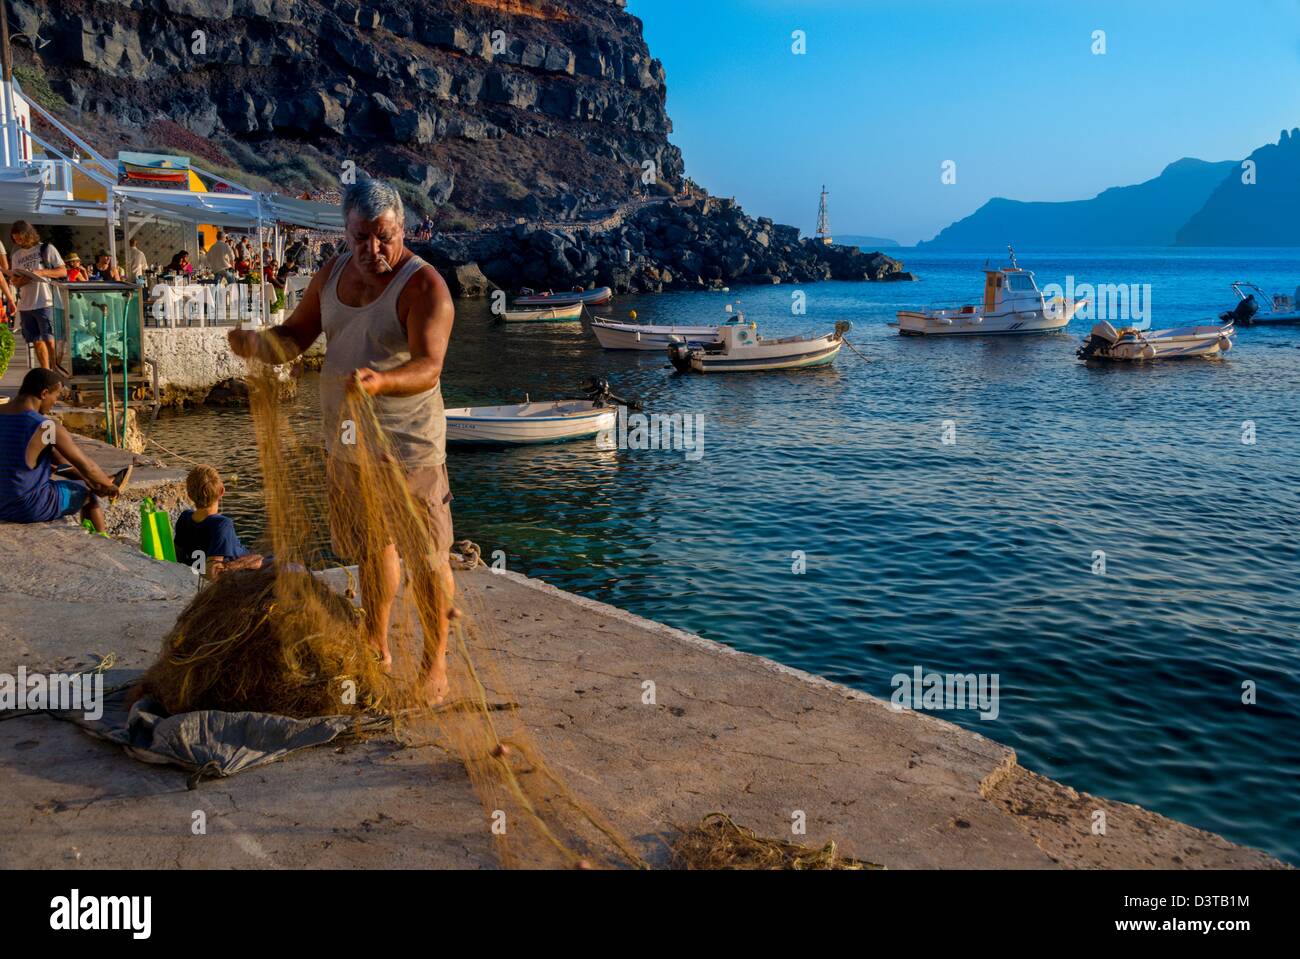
point(697, 244)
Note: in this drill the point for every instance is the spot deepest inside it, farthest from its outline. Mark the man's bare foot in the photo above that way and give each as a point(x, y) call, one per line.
point(384, 655)
point(436, 686)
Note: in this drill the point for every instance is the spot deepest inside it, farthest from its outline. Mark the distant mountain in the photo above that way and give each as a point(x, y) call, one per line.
point(1146, 214)
point(866, 243)
point(1263, 213)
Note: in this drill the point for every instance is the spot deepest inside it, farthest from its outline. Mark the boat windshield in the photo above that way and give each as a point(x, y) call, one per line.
point(1020, 282)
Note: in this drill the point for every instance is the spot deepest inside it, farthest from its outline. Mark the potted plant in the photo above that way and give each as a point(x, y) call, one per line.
point(6, 347)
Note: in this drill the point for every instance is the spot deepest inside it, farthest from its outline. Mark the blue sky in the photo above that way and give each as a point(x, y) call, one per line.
point(1009, 90)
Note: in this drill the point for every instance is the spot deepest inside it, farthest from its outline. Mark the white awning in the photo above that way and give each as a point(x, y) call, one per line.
point(304, 213)
point(232, 211)
point(21, 192)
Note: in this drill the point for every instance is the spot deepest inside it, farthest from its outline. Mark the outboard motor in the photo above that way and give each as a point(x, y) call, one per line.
point(1243, 313)
point(679, 354)
point(1101, 338)
point(598, 391)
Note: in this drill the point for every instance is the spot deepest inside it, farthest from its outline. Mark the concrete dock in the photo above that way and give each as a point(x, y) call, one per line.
point(728, 732)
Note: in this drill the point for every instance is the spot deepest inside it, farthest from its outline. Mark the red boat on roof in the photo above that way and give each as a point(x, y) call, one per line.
point(595, 297)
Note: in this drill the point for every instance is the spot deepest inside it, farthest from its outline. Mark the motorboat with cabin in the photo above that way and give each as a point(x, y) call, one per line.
point(742, 349)
point(1256, 308)
point(1012, 304)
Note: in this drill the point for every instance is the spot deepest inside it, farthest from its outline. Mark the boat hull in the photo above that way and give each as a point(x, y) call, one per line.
point(921, 323)
point(628, 336)
point(1187, 342)
point(1273, 319)
point(597, 297)
point(762, 357)
point(559, 314)
point(709, 364)
point(529, 424)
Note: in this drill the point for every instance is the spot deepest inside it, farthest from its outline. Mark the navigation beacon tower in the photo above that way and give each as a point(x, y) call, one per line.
point(823, 220)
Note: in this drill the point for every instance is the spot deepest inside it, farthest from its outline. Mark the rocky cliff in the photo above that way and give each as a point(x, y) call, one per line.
point(488, 109)
point(487, 113)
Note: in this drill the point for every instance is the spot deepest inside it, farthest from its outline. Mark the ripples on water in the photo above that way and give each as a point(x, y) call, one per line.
point(967, 558)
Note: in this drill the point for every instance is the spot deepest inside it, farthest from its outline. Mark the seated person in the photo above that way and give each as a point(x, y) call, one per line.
point(33, 446)
point(76, 272)
point(106, 269)
point(204, 531)
point(180, 264)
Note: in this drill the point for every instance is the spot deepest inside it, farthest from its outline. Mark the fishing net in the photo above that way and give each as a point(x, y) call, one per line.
point(235, 648)
point(718, 843)
point(281, 641)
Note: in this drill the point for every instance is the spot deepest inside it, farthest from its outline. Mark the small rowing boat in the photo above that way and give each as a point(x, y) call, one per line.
point(743, 350)
point(1133, 345)
point(595, 297)
point(554, 314)
point(527, 424)
point(634, 336)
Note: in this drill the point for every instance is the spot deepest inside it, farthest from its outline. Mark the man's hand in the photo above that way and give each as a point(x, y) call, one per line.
point(244, 343)
point(368, 381)
point(106, 490)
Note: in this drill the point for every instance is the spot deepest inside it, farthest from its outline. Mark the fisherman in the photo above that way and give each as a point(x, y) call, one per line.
point(387, 318)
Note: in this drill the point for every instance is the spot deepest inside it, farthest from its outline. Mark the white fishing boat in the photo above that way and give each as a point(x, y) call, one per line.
point(595, 297)
point(530, 423)
point(554, 314)
point(742, 349)
point(1256, 308)
point(643, 336)
point(1133, 345)
point(1012, 304)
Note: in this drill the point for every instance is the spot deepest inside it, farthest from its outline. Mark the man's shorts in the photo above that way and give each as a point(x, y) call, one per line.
point(429, 486)
point(72, 496)
point(37, 324)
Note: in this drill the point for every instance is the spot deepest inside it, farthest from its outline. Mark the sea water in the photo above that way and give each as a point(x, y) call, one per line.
point(1115, 545)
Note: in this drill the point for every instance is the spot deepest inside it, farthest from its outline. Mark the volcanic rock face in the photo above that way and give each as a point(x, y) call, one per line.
point(556, 99)
point(700, 243)
point(487, 114)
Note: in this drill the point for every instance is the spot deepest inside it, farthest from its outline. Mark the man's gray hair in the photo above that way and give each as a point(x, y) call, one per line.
point(372, 199)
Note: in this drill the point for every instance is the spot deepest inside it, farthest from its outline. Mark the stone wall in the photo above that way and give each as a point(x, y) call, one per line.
point(195, 365)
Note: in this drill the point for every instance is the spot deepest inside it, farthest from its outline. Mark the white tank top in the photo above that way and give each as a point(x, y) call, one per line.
point(372, 336)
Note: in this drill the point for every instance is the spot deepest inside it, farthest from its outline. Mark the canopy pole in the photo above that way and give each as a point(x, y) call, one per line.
point(266, 304)
point(112, 225)
point(12, 153)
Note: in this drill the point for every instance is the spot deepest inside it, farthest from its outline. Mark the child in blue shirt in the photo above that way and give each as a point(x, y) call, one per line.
point(203, 533)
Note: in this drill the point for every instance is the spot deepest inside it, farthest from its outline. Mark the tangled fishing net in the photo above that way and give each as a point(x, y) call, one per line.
point(718, 843)
point(236, 648)
point(282, 641)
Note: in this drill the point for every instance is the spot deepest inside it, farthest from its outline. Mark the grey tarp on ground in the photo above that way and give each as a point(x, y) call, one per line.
point(206, 742)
